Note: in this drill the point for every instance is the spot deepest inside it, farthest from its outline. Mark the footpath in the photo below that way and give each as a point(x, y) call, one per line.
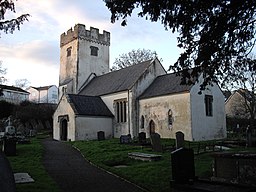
point(74, 174)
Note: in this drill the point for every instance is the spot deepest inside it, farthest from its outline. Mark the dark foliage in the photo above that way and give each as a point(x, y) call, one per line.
point(212, 33)
point(6, 109)
point(8, 26)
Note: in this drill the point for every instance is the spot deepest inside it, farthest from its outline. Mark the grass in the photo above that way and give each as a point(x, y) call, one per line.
point(29, 160)
point(153, 176)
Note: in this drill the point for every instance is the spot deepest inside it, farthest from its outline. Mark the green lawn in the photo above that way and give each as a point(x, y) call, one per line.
point(153, 176)
point(29, 160)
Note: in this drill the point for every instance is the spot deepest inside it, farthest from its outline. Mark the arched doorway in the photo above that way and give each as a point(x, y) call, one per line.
point(152, 127)
point(63, 130)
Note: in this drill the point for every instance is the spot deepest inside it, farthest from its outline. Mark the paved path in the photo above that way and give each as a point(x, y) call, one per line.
point(73, 173)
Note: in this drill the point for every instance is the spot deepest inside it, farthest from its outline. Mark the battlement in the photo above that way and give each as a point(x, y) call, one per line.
point(80, 32)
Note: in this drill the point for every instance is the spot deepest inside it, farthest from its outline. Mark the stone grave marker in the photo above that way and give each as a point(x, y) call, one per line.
point(179, 140)
point(156, 142)
point(142, 138)
point(101, 135)
point(125, 139)
point(183, 168)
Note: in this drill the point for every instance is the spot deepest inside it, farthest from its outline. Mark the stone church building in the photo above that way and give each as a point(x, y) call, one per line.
point(139, 98)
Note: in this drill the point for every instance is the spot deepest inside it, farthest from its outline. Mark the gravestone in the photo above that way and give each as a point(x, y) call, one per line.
point(142, 138)
point(101, 135)
point(125, 139)
point(179, 140)
point(183, 168)
point(156, 142)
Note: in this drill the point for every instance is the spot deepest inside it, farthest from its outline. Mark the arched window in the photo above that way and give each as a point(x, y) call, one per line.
point(152, 127)
point(170, 119)
point(117, 112)
point(142, 122)
point(121, 111)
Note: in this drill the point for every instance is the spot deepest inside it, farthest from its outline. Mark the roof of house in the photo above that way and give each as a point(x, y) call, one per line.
point(88, 105)
point(12, 88)
point(116, 81)
point(43, 88)
point(164, 85)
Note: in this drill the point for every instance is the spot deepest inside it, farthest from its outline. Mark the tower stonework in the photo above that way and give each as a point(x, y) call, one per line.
point(83, 53)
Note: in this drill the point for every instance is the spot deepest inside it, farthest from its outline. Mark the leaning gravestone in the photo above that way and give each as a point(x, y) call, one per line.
point(183, 168)
point(101, 135)
point(156, 142)
point(179, 140)
point(125, 139)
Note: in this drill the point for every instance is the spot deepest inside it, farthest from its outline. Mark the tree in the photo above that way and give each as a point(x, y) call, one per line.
point(2, 73)
point(211, 33)
point(245, 78)
point(8, 26)
point(133, 57)
point(22, 83)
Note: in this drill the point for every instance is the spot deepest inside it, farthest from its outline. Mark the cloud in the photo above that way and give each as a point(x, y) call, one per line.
point(37, 52)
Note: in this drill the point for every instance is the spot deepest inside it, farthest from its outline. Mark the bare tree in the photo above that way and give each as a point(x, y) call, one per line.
point(2, 73)
point(22, 83)
point(133, 57)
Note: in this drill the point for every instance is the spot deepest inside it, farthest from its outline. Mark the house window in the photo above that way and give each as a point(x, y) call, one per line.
point(142, 122)
point(94, 51)
point(170, 119)
point(208, 105)
point(69, 51)
point(121, 111)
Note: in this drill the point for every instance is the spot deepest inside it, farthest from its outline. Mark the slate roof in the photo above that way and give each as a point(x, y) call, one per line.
point(164, 85)
point(116, 81)
point(6, 87)
point(43, 88)
point(88, 105)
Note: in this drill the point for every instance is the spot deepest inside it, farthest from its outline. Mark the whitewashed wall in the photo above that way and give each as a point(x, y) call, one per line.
point(208, 127)
point(87, 127)
point(157, 109)
point(64, 108)
point(118, 128)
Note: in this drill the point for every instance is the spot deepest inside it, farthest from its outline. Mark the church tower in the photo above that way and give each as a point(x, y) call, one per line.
point(83, 54)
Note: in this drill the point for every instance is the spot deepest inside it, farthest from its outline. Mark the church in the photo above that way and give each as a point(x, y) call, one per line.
point(140, 98)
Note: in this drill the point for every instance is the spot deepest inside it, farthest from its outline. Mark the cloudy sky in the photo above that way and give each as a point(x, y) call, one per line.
point(33, 52)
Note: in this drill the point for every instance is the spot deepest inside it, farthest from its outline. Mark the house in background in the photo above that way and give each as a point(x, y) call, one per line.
point(139, 98)
point(13, 94)
point(46, 94)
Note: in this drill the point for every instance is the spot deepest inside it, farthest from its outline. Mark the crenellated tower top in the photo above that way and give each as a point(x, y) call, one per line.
point(80, 32)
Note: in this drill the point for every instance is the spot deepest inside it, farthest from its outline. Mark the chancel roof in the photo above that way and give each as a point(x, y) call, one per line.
point(88, 105)
point(164, 85)
point(116, 81)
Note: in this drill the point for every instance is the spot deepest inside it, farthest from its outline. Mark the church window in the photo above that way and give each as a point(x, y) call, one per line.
point(69, 51)
point(121, 109)
point(142, 122)
point(94, 51)
point(170, 119)
point(208, 105)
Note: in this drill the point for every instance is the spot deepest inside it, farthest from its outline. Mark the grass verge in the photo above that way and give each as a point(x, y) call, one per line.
point(29, 160)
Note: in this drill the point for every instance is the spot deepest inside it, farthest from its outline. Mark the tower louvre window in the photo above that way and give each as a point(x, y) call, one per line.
point(208, 105)
point(94, 50)
point(69, 51)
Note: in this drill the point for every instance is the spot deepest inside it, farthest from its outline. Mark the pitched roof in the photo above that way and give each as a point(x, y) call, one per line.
point(6, 87)
point(116, 81)
point(88, 105)
point(165, 84)
point(43, 88)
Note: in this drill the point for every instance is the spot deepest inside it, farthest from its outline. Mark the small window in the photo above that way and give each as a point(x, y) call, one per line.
point(208, 105)
point(94, 51)
point(142, 123)
point(69, 51)
point(170, 119)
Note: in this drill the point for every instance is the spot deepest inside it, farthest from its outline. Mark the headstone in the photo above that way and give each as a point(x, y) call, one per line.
point(142, 138)
point(156, 142)
point(183, 168)
point(125, 139)
point(179, 140)
point(101, 135)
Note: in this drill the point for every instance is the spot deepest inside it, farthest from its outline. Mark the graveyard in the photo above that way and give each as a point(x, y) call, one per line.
point(144, 162)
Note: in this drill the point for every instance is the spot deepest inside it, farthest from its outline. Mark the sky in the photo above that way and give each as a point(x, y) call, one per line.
point(33, 52)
